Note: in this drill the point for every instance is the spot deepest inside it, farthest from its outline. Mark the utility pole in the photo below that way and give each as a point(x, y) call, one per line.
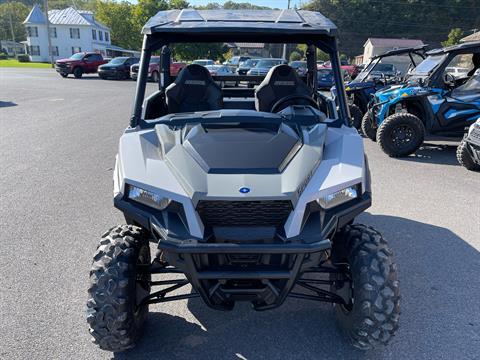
point(11, 29)
point(285, 45)
point(45, 3)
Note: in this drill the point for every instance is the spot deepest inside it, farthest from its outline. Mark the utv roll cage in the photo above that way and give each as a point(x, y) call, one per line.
point(213, 26)
point(419, 51)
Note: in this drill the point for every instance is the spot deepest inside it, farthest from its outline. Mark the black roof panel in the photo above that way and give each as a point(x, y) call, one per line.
point(459, 47)
point(289, 21)
point(401, 51)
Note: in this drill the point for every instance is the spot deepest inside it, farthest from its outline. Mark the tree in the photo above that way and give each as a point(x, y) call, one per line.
point(15, 12)
point(145, 9)
point(454, 37)
point(295, 56)
point(192, 51)
point(179, 4)
point(118, 16)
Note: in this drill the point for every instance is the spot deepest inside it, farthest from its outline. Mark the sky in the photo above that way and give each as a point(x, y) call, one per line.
point(280, 4)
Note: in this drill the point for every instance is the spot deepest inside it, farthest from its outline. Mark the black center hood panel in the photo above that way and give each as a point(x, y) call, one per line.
point(225, 149)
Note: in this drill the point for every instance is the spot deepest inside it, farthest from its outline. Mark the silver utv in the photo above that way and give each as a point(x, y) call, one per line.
point(248, 194)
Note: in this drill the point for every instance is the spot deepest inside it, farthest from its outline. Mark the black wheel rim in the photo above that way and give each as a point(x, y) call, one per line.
point(402, 136)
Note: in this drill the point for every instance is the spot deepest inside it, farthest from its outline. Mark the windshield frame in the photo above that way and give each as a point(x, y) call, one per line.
point(77, 56)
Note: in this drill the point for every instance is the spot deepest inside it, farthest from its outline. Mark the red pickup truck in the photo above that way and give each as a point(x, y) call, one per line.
point(79, 64)
point(154, 69)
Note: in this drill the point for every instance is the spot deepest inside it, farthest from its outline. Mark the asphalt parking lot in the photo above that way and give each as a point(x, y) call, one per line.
point(58, 139)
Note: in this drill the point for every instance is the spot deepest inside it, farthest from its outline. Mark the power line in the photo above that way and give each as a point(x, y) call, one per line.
point(460, 7)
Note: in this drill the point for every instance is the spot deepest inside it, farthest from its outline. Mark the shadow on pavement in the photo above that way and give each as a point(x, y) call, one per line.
point(435, 154)
point(433, 263)
point(7, 103)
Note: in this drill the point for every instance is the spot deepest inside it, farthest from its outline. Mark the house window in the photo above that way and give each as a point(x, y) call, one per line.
point(100, 35)
point(107, 36)
point(94, 34)
point(34, 50)
point(75, 33)
point(76, 49)
point(54, 50)
point(53, 32)
point(32, 31)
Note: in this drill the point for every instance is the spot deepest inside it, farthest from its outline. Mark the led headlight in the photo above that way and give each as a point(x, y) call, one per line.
point(147, 198)
point(338, 198)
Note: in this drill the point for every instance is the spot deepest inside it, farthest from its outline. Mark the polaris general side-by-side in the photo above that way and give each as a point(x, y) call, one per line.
point(468, 152)
point(248, 194)
point(432, 102)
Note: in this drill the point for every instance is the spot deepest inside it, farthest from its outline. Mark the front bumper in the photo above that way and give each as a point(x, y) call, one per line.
point(109, 73)
point(63, 69)
point(262, 272)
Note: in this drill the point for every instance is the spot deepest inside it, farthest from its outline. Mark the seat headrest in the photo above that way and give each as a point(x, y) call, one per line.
point(281, 80)
point(194, 74)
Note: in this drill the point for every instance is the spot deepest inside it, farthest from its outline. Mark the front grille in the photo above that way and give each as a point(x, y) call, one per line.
point(134, 69)
point(244, 213)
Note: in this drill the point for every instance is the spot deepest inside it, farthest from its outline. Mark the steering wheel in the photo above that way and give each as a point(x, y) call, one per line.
point(449, 79)
point(283, 100)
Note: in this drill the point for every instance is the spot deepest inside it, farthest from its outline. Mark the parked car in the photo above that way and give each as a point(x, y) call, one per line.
point(176, 67)
point(457, 72)
point(236, 61)
point(221, 70)
point(79, 64)
point(117, 68)
point(203, 62)
point(468, 152)
point(383, 70)
point(263, 67)
point(300, 67)
point(153, 69)
point(325, 79)
point(350, 70)
point(247, 65)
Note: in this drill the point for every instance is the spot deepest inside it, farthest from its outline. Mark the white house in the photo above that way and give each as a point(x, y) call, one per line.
point(71, 31)
point(377, 46)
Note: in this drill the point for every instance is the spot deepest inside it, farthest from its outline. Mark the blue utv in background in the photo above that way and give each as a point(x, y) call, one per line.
point(433, 101)
point(377, 75)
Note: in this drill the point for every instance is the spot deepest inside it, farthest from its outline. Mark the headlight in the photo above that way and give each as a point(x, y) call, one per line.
point(147, 198)
point(338, 198)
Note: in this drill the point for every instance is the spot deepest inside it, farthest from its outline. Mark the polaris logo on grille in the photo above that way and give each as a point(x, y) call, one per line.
point(244, 190)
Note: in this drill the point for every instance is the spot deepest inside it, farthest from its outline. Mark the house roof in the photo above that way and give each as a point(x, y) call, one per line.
point(240, 22)
point(472, 37)
point(68, 16)
point(36, 16)
point(391, 42)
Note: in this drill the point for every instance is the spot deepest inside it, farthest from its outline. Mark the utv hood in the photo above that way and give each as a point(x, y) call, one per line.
point(250, 150)
point(263, 154)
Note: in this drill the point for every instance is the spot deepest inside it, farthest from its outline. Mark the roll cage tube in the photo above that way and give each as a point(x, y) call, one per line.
point(328, 46)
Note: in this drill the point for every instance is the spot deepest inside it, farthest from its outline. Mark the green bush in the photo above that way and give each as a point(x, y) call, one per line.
point(3, 56)
point(23, 58)
point(295, 56)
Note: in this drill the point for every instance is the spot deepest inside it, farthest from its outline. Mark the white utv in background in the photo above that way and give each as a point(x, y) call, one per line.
point(468, 152)
point(249, 194)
